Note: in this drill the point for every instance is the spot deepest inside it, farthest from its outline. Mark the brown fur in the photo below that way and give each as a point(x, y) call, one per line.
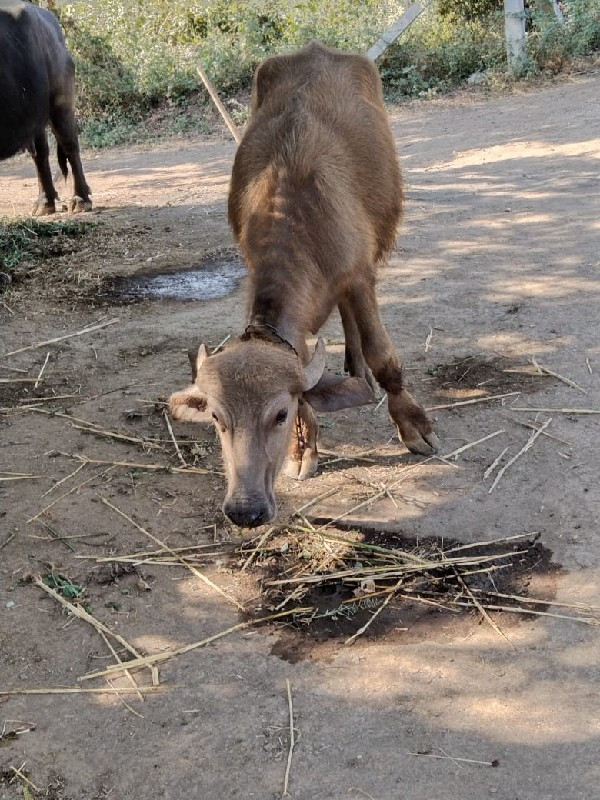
point(316, 190)
point(315, 199)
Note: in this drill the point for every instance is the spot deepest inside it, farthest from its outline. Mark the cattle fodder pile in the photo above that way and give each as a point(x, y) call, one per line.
point(348, 583)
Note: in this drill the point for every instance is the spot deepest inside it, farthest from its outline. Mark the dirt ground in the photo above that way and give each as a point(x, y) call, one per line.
point(497, 262)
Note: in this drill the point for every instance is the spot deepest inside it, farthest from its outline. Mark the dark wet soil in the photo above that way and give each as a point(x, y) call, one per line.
point(476, 375)
point(427, 606)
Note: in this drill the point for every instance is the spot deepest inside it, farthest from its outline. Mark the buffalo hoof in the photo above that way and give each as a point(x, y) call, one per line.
point(77, 205)
point(422, 445)
point(310, 464)
point(291, 468)
point(301, 470)
point(414, 428)
point(43, 208)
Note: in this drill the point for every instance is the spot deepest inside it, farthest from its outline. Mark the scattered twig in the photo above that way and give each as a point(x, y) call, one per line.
point(41, 372)
point(381, 493)
point(494, 763)
point(460, 450)
point(589, 366)
point(66, 494)
point(336, 456)
point(351, 639)
point(6, 478)
point(149, 467)
point(25, 780)
point(124, 702)
point(556, 410)
point(534, 427)
point(149, 553)
point(538, 601)
point(471, 402)
point(64, 480)
point(221, 344)
point(524, 449)
point(14, 733)
point(118, 659)
point(285, 792)
point(380, 403)
point(547, 371)
point(158, 658)
point(315, 500)
point(256, 550)
point(80, 613)
point(172, 435)
point(428, 340)
point(14, 369)
point(494, 464)
point(91, 427)
point(171, 552)
point(529, 535)
point(119, 436)
point(18, 380)
point(480, 608)
point(86, 690)
point(55, 535)
point(88, 329)
point(8, 540)
point(532, 611)
point(33, 402)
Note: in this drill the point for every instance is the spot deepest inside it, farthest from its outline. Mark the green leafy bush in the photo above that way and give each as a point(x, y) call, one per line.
point(133, 56)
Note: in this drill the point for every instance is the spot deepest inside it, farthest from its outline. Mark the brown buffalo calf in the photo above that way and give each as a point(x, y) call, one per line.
point(315, 198)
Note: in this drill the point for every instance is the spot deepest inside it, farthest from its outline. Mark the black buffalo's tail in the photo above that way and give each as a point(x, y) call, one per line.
point(62, 161)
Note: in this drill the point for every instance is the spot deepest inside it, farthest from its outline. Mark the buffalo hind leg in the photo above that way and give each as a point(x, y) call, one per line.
point(46, 202)
point(354, 360)
point(303, 458)
point(414, 428)
point(65, 130)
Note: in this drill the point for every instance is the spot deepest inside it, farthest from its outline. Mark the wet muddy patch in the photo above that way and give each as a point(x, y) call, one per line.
point(215, 277)
point(373, 585)
point(477, 376)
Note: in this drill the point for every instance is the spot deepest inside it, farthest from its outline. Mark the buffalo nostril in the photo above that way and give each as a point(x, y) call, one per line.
point(257, 517)
point(246, 517)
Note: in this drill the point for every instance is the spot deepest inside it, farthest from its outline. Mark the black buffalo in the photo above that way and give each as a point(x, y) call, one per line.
point(37, 87)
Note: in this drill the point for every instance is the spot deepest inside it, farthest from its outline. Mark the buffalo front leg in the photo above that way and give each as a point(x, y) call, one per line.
point(303, 458)
point(414, 428)
point(46, 202)
point(354, 360)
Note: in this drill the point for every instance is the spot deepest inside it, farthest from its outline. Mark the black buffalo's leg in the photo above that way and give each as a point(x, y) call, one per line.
point(46, 202)
point(64, 126)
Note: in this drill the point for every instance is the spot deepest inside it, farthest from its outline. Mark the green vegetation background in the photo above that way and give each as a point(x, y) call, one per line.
point(136, 56)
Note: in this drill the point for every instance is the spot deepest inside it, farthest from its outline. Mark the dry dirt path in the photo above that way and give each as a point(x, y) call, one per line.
point(497, 262)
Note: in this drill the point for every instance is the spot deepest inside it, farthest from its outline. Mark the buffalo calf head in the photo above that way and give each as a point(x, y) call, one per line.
point(250, 391)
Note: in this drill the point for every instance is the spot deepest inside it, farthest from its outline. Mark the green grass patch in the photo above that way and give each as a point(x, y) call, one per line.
point(30, 239)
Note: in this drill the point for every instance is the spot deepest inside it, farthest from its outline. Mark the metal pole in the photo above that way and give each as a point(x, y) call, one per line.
point(514, 26)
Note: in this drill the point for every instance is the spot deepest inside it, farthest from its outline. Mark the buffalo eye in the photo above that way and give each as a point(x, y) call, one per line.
point(281, 416)
point(215, 418)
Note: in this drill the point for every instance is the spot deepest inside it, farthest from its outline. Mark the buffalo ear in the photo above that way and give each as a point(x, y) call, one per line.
point(189, 405)
point(333, 392)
